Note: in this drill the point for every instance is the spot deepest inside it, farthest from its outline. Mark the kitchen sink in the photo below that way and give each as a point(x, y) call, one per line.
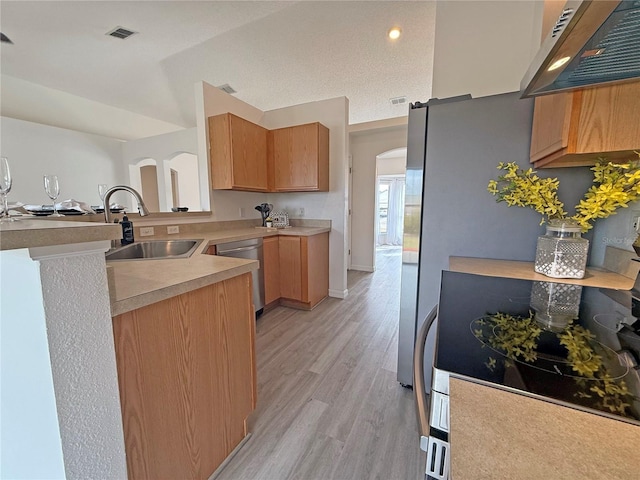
point(154, 250)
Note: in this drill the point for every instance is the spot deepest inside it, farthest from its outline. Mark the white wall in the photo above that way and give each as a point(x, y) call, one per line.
point(163, 148)
point(30, 444)
point(36, 103)
point(365, 147)
point(61, 415)
point(332, 205)
point(484, 47)
point(186, 167)
point(392, 165)
point(81, 161)
point(213, 101)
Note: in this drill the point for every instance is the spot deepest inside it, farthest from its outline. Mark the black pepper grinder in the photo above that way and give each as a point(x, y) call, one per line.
point(127, 230)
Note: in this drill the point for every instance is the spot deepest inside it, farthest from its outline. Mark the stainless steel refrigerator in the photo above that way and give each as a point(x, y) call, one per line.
point(453, 149)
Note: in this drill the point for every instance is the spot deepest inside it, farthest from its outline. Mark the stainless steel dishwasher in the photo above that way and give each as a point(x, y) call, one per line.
point(252, 250)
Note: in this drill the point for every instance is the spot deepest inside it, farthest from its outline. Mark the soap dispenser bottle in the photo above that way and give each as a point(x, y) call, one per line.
point(127, 230)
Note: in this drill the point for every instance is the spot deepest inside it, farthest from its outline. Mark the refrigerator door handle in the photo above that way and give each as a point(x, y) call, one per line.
point(422, 402)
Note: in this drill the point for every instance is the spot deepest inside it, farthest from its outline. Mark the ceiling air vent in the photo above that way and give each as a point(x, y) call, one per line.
point(121, 32)
point(398, 100)
point(5, 39)
point(227, 88)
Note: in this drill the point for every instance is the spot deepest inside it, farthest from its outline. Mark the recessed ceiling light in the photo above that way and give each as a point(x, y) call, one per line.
point(394, 33)
point(558, 63)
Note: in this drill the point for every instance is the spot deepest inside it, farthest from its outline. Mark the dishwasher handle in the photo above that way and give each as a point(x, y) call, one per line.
point(422, 402)
point(239, 249)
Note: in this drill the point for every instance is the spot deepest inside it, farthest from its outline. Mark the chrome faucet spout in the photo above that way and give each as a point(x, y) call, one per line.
point(142, 208)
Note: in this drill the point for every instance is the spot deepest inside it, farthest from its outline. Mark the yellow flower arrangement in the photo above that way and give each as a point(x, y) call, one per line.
point(615, 185)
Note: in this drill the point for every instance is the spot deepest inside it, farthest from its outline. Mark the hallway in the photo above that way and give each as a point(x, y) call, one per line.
point(329, 405)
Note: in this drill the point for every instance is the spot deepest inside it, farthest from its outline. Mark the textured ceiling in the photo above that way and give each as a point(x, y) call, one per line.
point(274, 54)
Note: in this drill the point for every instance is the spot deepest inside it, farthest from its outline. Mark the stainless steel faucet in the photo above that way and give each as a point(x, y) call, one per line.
point(142, 208)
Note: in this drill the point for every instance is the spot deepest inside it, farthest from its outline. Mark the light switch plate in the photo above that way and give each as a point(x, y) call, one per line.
point(173, 229)
point(146, 231)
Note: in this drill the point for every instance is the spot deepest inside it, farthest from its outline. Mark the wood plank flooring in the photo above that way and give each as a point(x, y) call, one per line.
point(329, 404)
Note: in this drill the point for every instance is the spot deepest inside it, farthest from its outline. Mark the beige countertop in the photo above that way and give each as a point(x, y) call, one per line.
point(135, 284)
point(235, 234)
point(496, 435)
point(28, 233)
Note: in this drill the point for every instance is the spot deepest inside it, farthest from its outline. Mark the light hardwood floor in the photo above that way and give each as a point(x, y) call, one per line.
point(329, 404)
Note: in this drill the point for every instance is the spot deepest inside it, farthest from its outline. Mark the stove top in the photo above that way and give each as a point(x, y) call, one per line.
point(579, 346)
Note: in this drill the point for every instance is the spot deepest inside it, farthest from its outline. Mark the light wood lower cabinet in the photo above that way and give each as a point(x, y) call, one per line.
point(271, 269)
point(187, 378)
point(304, 270)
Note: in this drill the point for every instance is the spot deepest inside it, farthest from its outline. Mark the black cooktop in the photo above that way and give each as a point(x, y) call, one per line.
point(579, 346)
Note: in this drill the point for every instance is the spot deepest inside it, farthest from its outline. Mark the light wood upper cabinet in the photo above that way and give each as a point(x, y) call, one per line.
point(271, 269)
point(575, 128)
point(299, 158)
point(237, 154)
point(187, 379)
point(304, 270)
point(247, 157)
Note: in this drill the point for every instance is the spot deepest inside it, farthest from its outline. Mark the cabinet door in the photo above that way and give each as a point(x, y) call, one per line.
point(609, 119)
point(220, 166)
point(271, 269)
point(249, 147)
point(576, 128)
point(551, 120)
point(237, 154)
point(290, 267)
point(315, 249)
point(300, 158)
point(186, 374)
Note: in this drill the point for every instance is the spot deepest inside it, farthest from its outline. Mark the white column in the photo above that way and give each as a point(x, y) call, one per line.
point(73, 296)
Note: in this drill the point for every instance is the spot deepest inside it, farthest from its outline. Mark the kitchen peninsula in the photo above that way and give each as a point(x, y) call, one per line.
point(190, 319)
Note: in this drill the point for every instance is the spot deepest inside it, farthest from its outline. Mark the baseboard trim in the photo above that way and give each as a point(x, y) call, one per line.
point(226, 461)
point(363, 268)
point(339, 293)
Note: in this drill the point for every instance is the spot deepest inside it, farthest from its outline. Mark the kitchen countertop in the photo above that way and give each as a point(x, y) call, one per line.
point(496, 434)
point(137, 283)
point(134, 284)
point(28, 233)
point(235, 234)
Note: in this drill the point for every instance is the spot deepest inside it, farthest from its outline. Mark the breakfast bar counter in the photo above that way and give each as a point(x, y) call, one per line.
point(29, 233)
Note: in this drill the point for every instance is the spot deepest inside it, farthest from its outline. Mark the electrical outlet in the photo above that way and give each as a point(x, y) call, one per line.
point(173, 229)
point(301, 212)
point(146, 231)
point(635, 221)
